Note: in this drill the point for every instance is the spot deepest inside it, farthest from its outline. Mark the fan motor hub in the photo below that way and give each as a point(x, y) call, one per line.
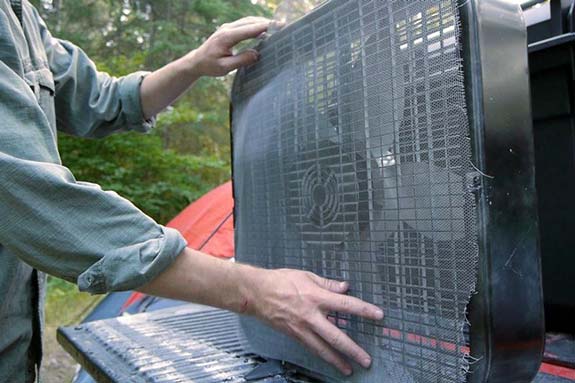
point(319, 195)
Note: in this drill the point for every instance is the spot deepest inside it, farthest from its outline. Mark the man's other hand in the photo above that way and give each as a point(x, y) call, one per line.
point(215, 57)
point(297, 303)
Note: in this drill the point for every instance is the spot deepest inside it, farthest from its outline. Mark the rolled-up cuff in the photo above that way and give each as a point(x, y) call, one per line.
point(132, 102)
point(132, 267)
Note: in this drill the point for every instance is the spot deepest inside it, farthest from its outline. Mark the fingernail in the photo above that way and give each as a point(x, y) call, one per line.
point(277, 23)
point(347, 371)
point(379, 314)
point(256, 54)
point(366, 362)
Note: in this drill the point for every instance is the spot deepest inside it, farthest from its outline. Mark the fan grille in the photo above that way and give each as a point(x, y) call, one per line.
point(319, 186)
point(351, 156)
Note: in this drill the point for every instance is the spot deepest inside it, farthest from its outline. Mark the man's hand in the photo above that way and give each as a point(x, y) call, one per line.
point(297, 303)
point(294, 302)
point(214, 57)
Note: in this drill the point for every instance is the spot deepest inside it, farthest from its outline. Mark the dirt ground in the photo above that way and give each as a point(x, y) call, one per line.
point(64, 306)
point(57, 366)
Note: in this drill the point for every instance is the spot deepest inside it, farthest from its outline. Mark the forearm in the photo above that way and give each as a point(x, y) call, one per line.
point(164, 86)
point(197, 277)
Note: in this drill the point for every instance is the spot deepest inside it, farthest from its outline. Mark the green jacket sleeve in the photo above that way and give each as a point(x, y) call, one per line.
point(70, 229)
point(90, 103)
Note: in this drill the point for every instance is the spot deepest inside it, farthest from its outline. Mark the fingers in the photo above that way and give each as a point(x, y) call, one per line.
point(245, 58)
point(338, 340)
point(351, 305)
point(337, 321)
point(319, 347)
point(246, 20)
point(329, 284)
point(345, 303)
point(233, 36)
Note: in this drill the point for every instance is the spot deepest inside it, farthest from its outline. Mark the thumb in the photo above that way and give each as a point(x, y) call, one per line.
point(247, 57)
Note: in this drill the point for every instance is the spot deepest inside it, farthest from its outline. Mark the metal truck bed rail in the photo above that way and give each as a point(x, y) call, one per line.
point(185, 344)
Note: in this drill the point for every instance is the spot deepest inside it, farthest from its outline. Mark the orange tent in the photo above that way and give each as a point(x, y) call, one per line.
point(207, 224)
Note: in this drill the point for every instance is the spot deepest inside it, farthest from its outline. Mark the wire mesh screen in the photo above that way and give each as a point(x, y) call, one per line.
point(352, 159)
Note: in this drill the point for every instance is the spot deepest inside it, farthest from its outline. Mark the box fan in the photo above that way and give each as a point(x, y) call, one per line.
point(389, 143)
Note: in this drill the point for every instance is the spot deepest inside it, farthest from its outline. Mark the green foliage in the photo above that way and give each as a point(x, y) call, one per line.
point(60, 287)
point(159, 181)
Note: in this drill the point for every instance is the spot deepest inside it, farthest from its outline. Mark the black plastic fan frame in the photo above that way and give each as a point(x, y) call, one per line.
point(506, 312)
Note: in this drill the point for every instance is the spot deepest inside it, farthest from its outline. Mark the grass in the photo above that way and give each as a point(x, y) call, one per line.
point(65, 306)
